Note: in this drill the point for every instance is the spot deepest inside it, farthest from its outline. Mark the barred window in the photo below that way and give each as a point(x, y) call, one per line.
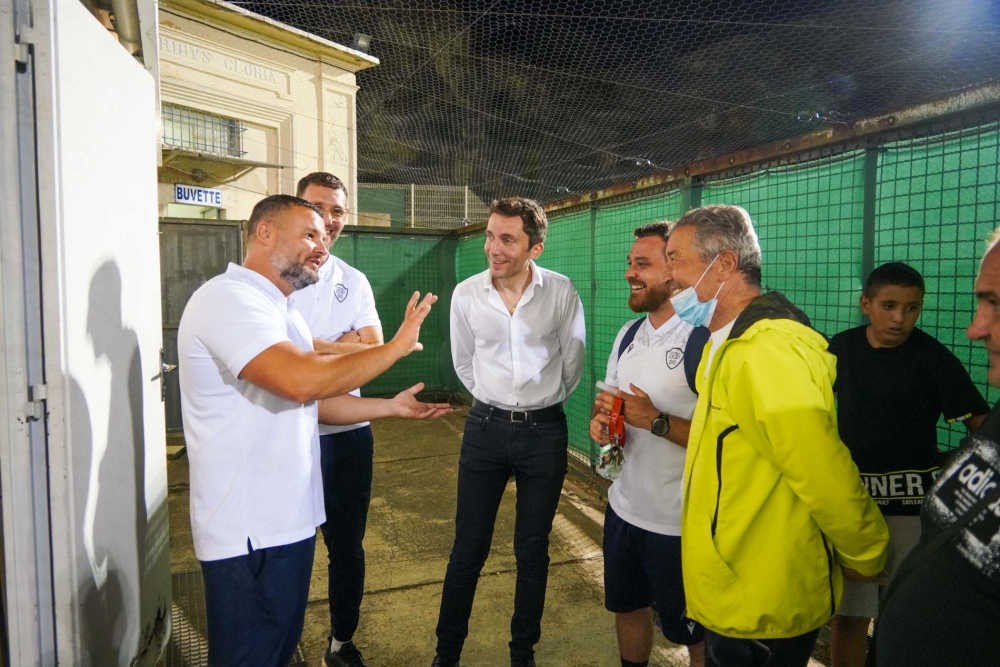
point(201, 131)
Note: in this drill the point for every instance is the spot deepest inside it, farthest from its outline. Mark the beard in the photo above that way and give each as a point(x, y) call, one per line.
point(296, 274)
point(299, 276)
point(650, 300)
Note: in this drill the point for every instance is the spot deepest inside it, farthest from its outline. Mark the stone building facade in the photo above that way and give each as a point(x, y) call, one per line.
point(249, 105)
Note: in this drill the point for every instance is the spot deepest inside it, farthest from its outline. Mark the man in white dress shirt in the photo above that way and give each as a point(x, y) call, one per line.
point(517, 337)
point(250, 382)
point(653, 363)
point(340, 312)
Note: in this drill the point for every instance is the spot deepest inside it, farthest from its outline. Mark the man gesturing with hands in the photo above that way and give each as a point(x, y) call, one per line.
point(250, 382)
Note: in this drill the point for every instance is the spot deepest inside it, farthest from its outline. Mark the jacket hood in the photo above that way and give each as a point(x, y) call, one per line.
point(769, 306)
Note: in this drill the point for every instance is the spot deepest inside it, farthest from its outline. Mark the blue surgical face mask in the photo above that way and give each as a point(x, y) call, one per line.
point(690, 309)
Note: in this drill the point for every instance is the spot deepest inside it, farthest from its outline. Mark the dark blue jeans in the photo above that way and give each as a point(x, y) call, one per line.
point(256, 604)
point(346, 460)
point(492, 451)
point(728, 652)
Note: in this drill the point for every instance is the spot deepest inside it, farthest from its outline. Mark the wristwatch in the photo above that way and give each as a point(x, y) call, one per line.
point(661, 425)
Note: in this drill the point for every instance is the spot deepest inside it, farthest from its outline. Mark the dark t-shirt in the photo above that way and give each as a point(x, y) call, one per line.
point(944, 610)
point(889, 401)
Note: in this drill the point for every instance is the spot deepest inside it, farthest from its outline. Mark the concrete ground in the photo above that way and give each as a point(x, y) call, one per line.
point(410, 531)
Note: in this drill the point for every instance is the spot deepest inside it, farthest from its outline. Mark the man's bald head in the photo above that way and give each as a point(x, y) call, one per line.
point(985, 325)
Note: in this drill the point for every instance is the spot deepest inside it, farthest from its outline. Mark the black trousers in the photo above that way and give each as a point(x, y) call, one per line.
point(728, 652)
point(346, 460)
point(493, 449)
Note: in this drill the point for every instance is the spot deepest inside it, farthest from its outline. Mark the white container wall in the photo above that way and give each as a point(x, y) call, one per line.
point(97, 140)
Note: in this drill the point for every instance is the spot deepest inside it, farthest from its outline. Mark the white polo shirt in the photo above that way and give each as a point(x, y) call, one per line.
point(648, 492)
point(341, 301)
point(255, 470)
point(529, 360)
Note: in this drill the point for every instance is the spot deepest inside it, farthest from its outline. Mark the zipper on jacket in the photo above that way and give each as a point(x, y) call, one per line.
point(829, 574)
point(718, 470)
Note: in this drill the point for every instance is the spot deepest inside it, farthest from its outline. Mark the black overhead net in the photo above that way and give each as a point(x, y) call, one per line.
point(551, 98)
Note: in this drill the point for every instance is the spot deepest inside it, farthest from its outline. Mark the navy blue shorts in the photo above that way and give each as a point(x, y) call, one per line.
point(643, 569)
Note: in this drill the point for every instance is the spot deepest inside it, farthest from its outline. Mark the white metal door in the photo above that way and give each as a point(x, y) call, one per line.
point(27, 600)
point(95, 119)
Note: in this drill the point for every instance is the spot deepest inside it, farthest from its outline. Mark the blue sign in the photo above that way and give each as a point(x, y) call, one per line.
point(192, 194)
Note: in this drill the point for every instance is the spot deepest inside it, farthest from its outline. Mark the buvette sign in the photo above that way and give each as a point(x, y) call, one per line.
point(191, 194)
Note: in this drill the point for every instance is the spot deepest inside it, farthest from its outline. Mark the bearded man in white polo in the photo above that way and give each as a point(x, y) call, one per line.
point(653, 364)
point(250, 386)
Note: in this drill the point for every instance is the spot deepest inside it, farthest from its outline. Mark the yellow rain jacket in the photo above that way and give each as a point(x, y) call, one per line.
point(773, 503)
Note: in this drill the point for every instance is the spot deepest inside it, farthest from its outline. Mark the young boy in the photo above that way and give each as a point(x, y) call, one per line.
point(894, 382)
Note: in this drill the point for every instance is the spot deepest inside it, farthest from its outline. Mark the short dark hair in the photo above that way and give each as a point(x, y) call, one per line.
point(661, 229)
point(270, 206)
point(322, 179)
point(893, 273)
point(531, 213)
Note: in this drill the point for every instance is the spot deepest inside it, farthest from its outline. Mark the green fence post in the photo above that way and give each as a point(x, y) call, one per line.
point(591, 316)
point(868, 213)
point(446, 267)
point(690, 194)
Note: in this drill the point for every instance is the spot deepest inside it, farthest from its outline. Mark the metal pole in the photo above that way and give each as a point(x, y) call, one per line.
point(691, 193)
point(868, 220)
point(413, 205)
point(594, 286)
point(29, 615)
point(465, 219)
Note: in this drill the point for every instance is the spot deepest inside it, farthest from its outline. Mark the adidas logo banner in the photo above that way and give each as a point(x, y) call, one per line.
point(966, 480)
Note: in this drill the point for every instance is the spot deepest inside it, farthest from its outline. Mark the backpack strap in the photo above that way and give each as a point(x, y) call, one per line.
point(692, 349)
point(692, 354)
point(629, 336)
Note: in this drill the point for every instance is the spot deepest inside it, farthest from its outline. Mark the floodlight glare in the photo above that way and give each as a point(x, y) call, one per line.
point(361, 42)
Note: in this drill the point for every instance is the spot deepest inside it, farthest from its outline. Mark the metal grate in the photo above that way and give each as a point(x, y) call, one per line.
point(188, 645)
point(202, 131)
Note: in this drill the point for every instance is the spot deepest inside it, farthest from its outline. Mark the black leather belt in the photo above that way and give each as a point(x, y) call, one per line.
point(528, 417)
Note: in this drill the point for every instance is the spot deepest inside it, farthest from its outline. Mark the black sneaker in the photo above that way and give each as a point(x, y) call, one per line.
point(522, 662)
point(347, 656)
point(444, 662)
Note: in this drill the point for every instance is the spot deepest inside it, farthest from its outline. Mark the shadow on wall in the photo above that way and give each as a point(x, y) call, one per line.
point(110, 494)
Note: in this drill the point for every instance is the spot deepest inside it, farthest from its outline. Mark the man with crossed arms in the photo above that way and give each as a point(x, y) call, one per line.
point(340, 311)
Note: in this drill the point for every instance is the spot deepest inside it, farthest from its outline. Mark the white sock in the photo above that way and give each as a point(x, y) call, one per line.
point(335, 645)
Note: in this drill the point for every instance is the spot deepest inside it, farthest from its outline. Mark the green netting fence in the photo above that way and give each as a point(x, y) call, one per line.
point(823, 225)
point(936, 202)
point(397, 265)
point(809, 220)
